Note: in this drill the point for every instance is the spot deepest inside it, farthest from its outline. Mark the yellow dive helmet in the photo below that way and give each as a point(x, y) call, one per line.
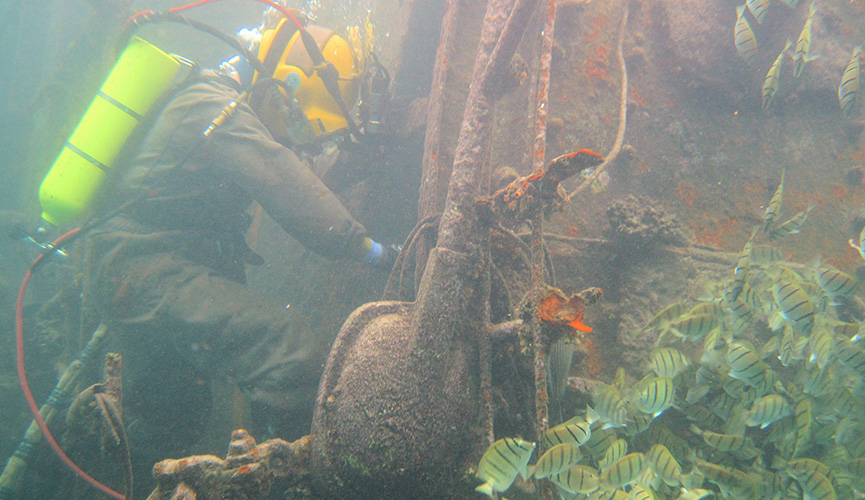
point(283, 54)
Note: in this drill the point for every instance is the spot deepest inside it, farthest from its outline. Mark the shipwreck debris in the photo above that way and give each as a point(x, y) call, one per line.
point(249, 470)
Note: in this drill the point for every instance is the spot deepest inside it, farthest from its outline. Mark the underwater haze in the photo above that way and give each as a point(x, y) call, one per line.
point(618, 252)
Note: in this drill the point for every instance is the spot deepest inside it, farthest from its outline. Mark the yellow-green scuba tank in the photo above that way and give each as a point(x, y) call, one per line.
point(142, 74)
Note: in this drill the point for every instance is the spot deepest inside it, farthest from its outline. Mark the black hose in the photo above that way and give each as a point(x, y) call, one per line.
point(171, 17)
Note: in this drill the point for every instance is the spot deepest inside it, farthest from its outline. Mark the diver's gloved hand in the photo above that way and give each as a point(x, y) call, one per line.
point(381, 257)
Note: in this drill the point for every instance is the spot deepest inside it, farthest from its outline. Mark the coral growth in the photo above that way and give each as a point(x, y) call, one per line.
point(248, 471)
point(639, 222)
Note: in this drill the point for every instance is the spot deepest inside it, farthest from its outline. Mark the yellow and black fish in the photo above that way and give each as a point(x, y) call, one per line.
point(792, 225)
point(746, 42)
point(624, 471)
point(803, 44)
point(722, 442)
point(758, 9)
point(577, 479)
point(773, 209)
point(848, 90)
point(501, 463)
point(795, 305)
point(766, 410)
point(770, 84)
point(557, 459)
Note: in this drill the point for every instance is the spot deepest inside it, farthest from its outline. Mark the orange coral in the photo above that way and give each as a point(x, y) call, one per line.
point(558, 310)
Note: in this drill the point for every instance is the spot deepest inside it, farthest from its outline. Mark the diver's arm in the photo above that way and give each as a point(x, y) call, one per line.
point(290, 193)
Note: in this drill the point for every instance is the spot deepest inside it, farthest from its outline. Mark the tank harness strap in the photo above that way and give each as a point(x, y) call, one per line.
point(96, 163)
point(122, 107)
point(277, 47)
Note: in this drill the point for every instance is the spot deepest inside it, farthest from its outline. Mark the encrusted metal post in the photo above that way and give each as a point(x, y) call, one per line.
point(537, 245)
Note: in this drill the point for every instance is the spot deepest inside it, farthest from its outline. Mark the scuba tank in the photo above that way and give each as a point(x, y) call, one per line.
point(142, 74)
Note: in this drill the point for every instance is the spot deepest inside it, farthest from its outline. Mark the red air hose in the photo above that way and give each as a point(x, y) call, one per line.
point(276, 6)
point(19, 307)
point(22, 377)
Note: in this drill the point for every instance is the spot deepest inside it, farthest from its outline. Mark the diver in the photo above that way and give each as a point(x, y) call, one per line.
point(166, 272)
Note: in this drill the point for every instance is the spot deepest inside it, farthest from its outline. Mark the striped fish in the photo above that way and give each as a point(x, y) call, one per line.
point(608, 495)
point(746, 42)
point(763, 255)
point(696, 393)
point(721, 442)
point(848, 90)
point(557, 459)
point(665, 464)
point(711, 308)
point(836, 282)
point(640, 491)
point(859, 243)
point(639, 423)
point(722, 405)
point(733, 483)
point(852, 356)
point(624, 471)
point(822, 344)
point(770, 84)
point(693, 327)
point(740, 310)
point(501, 463)
point(714, 349)
point(559, 361)
point(803, 44)
point(767, 410)
point(575, 431)
point(666, 315)
point(794, 304)
point(802, 423)
point(745, 365)
point(758, 9)
point(773, 209)
point(840, 400)
point(785, 350)
point(668, 362)
point(805, 466)
point(845, 330)
point(617, 450)
point(740, 272)
point(816, 486)
point(654, 395)
point(600, 441)
point(792, 225)
point(610, 406)
point(815, 381)
point(661, 434)
point(577, 479)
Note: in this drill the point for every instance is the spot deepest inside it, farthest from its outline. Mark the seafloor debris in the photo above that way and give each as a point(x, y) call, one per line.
point(248, 471)
point(98, 411)
point(639, 222)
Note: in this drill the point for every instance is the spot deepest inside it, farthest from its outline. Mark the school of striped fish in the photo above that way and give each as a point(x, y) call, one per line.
point(755, 391)
point(748, 47)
